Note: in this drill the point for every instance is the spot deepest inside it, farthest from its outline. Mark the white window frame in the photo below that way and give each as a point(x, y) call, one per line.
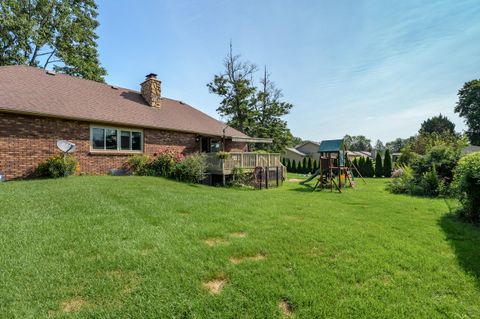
point(119, 141)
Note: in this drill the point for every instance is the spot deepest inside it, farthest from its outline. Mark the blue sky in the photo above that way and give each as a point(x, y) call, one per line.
point(376, 68)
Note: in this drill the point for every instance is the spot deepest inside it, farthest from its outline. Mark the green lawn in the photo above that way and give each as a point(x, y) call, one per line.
point(141, 247)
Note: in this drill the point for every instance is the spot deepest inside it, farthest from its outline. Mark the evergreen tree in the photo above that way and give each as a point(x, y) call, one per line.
point(378, 165)
point(361, 166)
point(355, 164)
point(369, 170)
point(294, 166)
point(289, 165)
point(309, 166)
point(299, 167)
point(387, 164)
point(315, 165)
point(304, 166)
point(284, 161)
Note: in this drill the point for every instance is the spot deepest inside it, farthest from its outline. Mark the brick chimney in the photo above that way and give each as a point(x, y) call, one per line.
point(151, 90)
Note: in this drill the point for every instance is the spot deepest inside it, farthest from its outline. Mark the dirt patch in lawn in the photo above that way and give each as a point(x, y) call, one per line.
point(184, 212)
point(215, 286)
point(238, 234)
point(257, 257)
point(285, 307)
point(215, 241)
point(73, 305)
point(129, 279)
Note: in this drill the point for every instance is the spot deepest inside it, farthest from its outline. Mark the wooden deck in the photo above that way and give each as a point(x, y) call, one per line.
point(245, 160)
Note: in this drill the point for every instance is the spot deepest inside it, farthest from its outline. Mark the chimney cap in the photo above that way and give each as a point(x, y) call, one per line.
point(151, 75)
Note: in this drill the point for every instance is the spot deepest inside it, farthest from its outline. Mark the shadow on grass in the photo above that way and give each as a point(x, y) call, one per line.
point(465, 240)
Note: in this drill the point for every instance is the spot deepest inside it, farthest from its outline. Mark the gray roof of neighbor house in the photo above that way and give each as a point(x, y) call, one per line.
point(307, 142)
point(294, 150)
point(30, 90)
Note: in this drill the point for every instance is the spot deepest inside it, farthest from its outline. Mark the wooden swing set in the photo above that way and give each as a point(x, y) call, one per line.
point(335, 168)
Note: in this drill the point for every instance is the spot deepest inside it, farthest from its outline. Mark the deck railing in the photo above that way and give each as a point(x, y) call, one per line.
point(244, 160)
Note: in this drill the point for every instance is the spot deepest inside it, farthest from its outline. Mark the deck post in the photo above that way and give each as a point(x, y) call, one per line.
point(277, 175)
point(266, 177)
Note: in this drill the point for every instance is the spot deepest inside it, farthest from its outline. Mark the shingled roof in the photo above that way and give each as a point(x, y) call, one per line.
point(30, 90)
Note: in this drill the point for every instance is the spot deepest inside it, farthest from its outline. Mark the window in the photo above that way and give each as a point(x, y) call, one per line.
point(113, 139)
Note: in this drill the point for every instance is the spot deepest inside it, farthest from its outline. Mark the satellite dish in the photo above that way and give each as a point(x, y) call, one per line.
point(66, 146)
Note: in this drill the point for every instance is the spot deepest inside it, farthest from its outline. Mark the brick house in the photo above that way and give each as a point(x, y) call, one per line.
point(107, 123)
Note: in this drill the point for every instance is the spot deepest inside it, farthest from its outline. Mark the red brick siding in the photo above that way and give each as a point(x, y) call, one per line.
point(26, 141)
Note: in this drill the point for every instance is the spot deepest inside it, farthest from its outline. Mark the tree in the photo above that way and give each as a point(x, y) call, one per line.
point(397, 145)
point(315, 166)
point(357, 143)
point(299, 167)
point(379, 146)
point(289, 165)
point(438, 124)
point(304, 165)
point(387, 164)
point(361, 166)
point(57, 33)
point(295, 141)
point(468, 107)
point(378, 165)
point(369, 170)
point(269, 110)
point(294, 166)
point(309, 166)
point(236, 89)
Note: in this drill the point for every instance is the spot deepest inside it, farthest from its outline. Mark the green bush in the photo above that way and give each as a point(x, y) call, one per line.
point(402, 181)
point(138, 164)
point(191, 169)
point(59, 165)
point(240, 178)
point(429, 184)
point(164, 164)
point(310, 166)
point(467, 185)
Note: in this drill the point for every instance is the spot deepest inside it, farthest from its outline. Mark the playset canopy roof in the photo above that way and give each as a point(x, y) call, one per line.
point(330, 146)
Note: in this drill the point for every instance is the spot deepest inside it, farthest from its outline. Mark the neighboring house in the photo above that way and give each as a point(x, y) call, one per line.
point(107, 123)
point(294, 155)
point(364, 154)
point(309, 148)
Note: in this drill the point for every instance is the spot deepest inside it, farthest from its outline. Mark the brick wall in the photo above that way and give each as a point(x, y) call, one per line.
point(235, 146)
point(26, 141)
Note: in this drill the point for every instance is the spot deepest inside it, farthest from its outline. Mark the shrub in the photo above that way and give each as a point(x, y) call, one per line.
point(304, 166)
point(138, 164)
point(239, 177)
point(467, 185)
point(378, 165)
point(387, 164)
point(429, 184)
point(59, 165)
point(402, 181)
point(299, 167)
point(191, 169)
point(164, 164)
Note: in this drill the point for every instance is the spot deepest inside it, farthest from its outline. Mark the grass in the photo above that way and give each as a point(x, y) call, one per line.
point(136, 247)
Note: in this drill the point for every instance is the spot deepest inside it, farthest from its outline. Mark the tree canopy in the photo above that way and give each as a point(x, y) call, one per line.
point(256, 111)
point(60, 33)
point(357, 143)
point(468, 107)
point(438, 124)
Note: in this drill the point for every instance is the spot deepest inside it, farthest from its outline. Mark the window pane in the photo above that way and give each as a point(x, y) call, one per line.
point(214, 146)
point(98, 138)
point(136, 141)
point(125, 140)
point(110, 139)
